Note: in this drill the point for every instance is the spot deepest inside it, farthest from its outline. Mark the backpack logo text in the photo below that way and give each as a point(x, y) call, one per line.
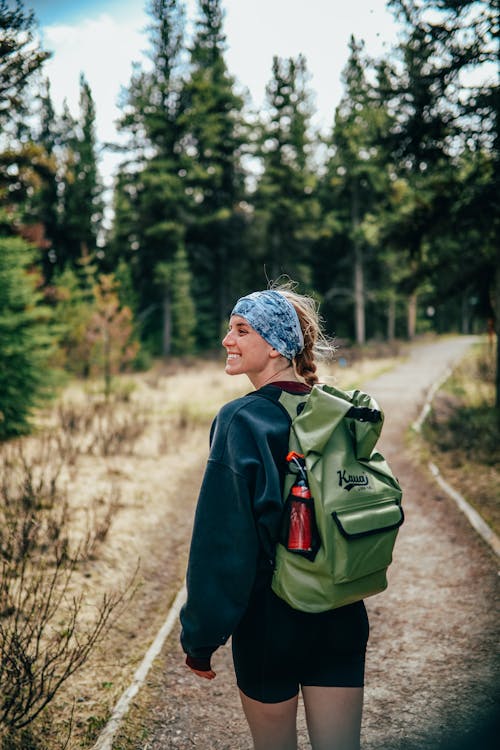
point(348, 481)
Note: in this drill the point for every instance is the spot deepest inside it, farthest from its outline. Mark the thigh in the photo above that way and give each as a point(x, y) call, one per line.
point(273, 725)
point(264, 650)
point(333, 717)
point(337, 647)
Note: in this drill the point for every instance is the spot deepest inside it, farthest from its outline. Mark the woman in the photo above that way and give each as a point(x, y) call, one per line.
point(272, 338)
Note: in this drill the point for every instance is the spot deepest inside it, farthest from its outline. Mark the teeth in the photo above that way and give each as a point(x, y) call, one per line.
point(233, 356)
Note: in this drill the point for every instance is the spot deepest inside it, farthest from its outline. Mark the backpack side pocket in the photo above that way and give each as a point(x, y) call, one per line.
point(364, 539)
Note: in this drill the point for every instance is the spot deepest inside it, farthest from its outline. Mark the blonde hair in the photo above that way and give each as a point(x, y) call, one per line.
point(316, 344)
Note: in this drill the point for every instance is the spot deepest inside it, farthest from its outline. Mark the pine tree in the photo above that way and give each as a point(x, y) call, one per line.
point(25, 338)
point(421, 144)
point(24, 164)
point(150, 199)
point(286, 206)
point(352, 192)
point(179, 317)
point(82, 203)
point(46, 200)
point(465, 34)
point(25, 330)
point(213, 143)
point(444, 201)
point(20, 59)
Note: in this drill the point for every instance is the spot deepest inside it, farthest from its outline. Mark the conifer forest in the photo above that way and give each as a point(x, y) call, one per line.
point(391, 220)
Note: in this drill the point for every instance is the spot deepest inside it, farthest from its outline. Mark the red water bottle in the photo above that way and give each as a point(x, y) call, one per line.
point(300, 529)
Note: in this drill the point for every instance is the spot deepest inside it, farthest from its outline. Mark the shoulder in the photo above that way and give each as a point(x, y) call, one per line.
point(250, 429)
point(246, 424)
point(246, 408)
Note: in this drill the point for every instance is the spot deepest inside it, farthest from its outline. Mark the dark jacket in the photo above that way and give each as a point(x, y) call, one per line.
point(237, 518)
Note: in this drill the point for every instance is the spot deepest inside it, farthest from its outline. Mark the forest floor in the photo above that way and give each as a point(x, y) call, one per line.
point(432, 668)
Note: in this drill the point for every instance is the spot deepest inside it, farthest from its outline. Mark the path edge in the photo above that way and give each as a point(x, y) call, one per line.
point(105, 739)
point(475, 519)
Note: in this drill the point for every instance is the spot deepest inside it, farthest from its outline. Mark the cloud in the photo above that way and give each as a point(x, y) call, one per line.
point(103, 48)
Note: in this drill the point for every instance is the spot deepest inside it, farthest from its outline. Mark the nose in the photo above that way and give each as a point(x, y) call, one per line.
point(227, 340)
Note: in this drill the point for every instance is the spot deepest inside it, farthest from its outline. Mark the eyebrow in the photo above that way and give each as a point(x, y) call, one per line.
point(243, 324)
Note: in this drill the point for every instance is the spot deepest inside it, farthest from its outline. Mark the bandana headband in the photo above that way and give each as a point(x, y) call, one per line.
point(274, 318)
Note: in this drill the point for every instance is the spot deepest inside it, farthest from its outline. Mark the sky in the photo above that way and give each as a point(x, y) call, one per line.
point(102, 38)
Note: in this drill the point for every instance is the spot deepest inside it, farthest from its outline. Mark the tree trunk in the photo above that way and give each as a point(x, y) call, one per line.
point(496, 311)
point(359, 280)
point(167, 323)
point(391, 319)
point(107, 361)
point(466, 316)
point(359, 296)
point(412, 315)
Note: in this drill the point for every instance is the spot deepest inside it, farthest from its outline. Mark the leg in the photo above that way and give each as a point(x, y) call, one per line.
point(333, 716)
point(273, 725)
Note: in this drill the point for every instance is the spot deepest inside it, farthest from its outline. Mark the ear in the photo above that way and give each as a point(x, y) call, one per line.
point(273, 353)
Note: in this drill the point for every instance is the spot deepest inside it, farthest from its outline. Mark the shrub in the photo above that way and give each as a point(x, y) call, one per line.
point(25, 338)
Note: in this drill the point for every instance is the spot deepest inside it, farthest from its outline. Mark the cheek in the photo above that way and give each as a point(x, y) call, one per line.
point(260, 351)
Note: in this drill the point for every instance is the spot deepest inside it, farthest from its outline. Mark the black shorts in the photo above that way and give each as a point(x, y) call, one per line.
point(276, 649)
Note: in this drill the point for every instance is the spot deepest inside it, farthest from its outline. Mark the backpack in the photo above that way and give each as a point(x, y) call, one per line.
point(356, 500)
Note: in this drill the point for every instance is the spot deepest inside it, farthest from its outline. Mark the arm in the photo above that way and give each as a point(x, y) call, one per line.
point(236, 524)
point(222, 564)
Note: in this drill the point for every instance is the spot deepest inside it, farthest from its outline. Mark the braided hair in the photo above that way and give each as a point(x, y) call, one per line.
point(315, 343)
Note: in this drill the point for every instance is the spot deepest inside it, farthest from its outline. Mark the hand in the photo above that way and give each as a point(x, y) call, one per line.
point(206, 674)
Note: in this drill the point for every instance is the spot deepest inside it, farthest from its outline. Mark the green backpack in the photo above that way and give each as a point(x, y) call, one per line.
point(356, 497)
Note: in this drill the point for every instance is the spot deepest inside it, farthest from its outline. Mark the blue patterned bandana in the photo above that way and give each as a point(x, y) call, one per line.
point(274, 318)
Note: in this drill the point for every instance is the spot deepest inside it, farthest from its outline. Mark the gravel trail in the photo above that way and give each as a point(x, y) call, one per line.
point(433, 654)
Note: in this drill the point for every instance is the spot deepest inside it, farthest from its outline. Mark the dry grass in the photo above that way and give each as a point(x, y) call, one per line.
point(463, 434)
point(132, 475)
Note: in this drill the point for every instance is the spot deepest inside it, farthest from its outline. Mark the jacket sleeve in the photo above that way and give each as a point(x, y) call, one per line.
point(223, 554)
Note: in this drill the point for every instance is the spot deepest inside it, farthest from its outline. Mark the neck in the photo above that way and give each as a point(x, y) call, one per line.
point(258, 383)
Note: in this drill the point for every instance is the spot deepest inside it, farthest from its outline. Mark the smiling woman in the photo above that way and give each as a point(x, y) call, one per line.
point(273, 338)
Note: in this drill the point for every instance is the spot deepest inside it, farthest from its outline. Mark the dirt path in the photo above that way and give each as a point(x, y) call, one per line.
point(434, 632)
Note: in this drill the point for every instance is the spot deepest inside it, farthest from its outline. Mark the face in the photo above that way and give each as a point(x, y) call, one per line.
point(247, 352)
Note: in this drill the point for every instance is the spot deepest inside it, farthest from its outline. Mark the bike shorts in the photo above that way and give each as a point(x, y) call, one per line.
point(277, 649)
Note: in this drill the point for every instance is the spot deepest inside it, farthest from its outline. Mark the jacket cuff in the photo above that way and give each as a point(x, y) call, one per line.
point(200, 663)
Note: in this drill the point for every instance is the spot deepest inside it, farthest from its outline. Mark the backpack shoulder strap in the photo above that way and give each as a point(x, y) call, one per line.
point(290, 403)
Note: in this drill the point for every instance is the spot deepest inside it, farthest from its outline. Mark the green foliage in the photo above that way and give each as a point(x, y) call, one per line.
point(81, 205)
point(25, 338)
point(150, 200)
point(73, 310)
point(214, 176)
point(45, 201)
point(381, 219)
point(286, 206)
point(97, 332)
point(451, 127)
point(180, 314)
point(20, 59)
point(25, 163)
point(109, 332)
point(351, 259)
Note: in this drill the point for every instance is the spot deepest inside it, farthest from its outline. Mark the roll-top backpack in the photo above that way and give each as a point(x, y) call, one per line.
point(356, 501)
